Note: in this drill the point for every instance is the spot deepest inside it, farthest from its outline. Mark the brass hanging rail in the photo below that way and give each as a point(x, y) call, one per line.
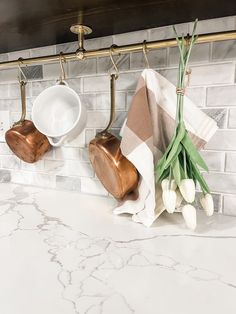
point(105, 52)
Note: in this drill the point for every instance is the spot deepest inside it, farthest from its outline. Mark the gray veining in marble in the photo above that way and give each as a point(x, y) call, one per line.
point(66, 253)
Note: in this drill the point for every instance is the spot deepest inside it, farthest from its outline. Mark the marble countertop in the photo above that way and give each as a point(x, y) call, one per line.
point(65, 253)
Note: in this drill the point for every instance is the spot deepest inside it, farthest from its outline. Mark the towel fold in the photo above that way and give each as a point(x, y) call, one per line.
point(146, 134)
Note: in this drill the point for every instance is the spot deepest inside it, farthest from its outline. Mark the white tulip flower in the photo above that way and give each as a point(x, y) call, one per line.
point(190, 217)
point(169, 200)
point(187, 189)
point(207, 204)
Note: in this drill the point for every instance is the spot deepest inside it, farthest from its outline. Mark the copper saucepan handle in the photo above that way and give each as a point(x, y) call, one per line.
point(23, 103)
point(113, 78)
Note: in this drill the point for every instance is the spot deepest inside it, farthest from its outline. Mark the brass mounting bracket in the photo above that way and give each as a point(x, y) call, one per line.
point(81, 31)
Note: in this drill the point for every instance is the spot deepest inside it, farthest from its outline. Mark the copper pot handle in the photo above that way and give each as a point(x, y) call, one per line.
point(104, 132)
point(23, 103)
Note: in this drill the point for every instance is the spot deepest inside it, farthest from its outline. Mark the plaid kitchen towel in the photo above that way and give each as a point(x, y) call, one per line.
point(146, 134)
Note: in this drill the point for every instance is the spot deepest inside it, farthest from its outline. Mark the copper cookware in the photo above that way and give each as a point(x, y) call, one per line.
point(116, 172)
point(23, 138)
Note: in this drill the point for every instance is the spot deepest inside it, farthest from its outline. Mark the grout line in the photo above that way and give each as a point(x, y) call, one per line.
point(225, 161)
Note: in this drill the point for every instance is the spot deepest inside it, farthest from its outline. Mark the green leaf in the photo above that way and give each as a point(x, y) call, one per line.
point(174, 156)
point(182, 174)
point(198, 176)
point(176, 170)
point(176, 148)
point(193, 152)
point(164, 175)
point(164, 156)
point(190, 169)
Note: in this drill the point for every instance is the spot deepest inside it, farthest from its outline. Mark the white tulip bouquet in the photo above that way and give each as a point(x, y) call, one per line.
point(180, 167)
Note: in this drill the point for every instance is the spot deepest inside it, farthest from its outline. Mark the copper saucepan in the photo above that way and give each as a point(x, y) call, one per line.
point(23, 138)
point(116, 172)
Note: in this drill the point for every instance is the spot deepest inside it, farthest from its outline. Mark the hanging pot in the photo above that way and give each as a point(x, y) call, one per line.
point(115, 171)
point(58, 113)
point(23, 138)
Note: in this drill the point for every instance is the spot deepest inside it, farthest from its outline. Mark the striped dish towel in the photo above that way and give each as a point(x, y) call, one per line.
point(146, 134)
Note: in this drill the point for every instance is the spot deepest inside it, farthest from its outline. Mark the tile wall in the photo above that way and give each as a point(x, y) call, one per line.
point(212, 87)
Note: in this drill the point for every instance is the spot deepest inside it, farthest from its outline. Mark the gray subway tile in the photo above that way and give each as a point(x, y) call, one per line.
point(218, 96)
point(215, 25)
point(34, 72)
point(97, 119)
point(129, 98)
point(5, 175)
point(229, 205)
point(104, 64)
point(67, 47)
point(232, 119)
point(15, 55)
point(33, 178)
point(224, 50)
point(214, 160)
point(98, 43)
point(77, 168)
point(230, 162)
point(67, 153)
point(128, 81)
point(96, 84)
point(222, 140)
point(9, 75)
point(82, 67)
point(92, 186)
point(200, 53)
point(103, 101)
point(219, 115)
point(4, 149)
point(3, 57)
point(197, 95)
point(166, 32)
point(119, 119)
point(53, 71)
point(10, 104)
point(75, 84)
point(221, 182)
point(84, 155)
point(68, 183)
point(170, 74)
point(156, 58)
point(14, 90)
point(10, 162)
point(212, 74)
point(88, 100)
point(38, 87)
point(4, 91)
point(130, 38)
point(43, 51)
point(89, 135)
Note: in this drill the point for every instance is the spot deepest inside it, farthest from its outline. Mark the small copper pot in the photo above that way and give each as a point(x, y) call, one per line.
point(25, 141)
point(115, 171)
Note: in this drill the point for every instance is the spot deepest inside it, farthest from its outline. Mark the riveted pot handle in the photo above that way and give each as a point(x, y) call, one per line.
point(23, 103)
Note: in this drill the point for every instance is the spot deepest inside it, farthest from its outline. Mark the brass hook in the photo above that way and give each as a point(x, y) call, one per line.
point(21, 72)
point(113, 61)
point(63, 74)
point(145, 54)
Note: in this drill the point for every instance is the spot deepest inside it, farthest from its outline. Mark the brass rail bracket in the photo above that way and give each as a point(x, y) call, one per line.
point(81, 31)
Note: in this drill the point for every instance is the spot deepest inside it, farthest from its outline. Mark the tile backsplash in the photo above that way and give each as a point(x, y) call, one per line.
point(212, 87)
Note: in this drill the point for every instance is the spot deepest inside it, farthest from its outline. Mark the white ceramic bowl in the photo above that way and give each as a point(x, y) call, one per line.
point(58, 113)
